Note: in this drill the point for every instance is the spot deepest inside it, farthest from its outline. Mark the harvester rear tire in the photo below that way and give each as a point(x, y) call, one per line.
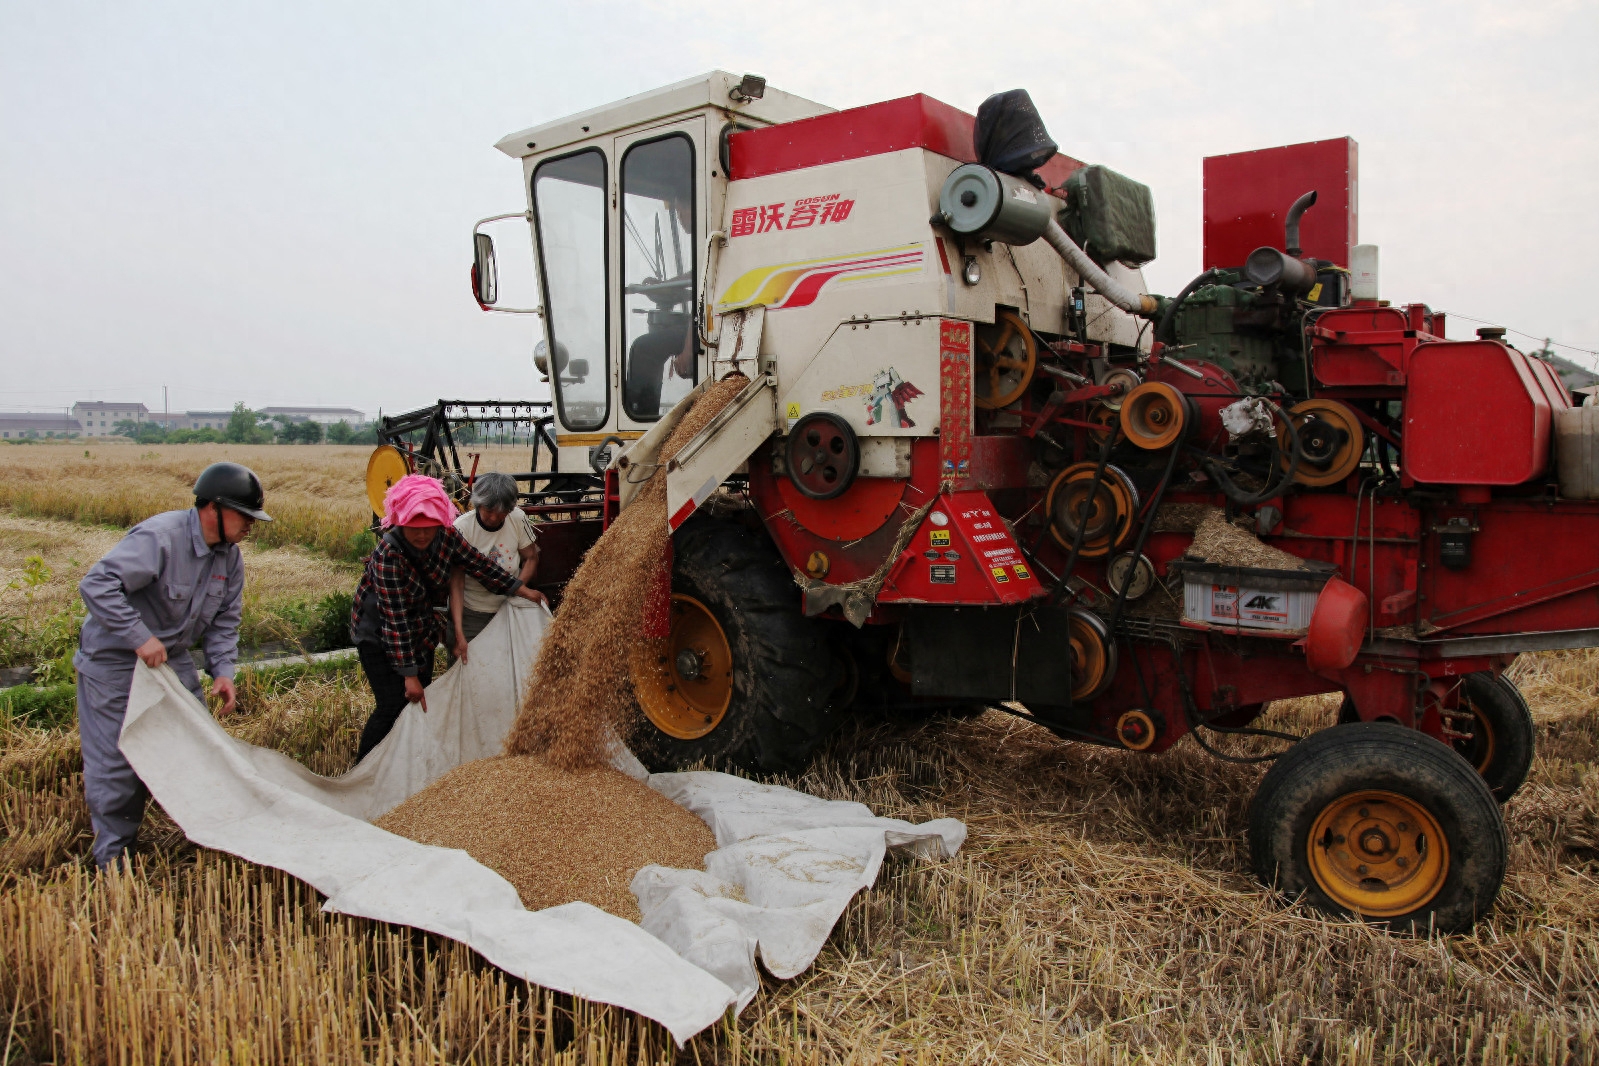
point(784, 674)
point(1396, 792)
point(1503, 733)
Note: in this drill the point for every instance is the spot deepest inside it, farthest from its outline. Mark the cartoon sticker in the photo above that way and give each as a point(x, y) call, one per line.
point(890, 394)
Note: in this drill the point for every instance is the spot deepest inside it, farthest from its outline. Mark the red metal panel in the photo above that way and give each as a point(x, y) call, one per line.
point(963, 553)
point(910, 122)
point(1362, 346)
point(1474, 415)
point(955, 398)
point(1247, 196)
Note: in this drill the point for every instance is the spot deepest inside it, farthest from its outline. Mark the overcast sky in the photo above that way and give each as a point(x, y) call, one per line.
point(272, 202)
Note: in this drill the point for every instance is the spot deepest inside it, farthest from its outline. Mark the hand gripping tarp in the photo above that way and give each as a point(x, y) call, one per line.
point(786, 866)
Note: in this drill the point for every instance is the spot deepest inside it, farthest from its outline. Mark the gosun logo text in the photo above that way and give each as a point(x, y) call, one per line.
point(801, 214)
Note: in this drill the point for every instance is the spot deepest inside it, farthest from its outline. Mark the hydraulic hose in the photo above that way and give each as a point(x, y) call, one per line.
point(1163, 331)
point(1133, 303)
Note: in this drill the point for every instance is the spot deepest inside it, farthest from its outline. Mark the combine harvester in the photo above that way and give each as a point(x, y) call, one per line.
point(972, 452)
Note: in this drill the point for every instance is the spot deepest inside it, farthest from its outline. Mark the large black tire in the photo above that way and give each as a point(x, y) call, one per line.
point(1380, 778)
point(1502, 733)
point(784, 675)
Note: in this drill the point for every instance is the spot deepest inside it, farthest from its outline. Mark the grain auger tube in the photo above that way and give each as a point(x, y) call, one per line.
point(973, 462)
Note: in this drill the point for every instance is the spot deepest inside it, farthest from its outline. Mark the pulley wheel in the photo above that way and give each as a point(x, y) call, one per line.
point(1331, 441)
point(823, 455)
point(1154, 416)
point(1134, 572)
point(1093, 654)
point(386, 466)
point(1127, 380)
point(1007, 355)
point(1109, 516)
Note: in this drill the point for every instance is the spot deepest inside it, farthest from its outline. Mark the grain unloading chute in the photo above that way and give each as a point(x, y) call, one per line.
point(990, 468)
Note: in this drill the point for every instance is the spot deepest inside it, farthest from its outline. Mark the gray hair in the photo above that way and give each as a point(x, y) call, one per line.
point(495, 491)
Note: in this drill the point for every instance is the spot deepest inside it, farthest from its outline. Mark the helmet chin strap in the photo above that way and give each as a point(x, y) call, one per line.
point(222, 530)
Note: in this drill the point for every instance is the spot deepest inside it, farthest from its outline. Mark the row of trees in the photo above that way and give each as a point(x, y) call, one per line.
point(250, 427)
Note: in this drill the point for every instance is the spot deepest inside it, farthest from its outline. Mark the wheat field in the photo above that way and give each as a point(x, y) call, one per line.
point(1101, 911)
point(314, 493)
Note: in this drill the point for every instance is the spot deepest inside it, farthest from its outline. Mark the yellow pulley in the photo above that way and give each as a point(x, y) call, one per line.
point(386, 466)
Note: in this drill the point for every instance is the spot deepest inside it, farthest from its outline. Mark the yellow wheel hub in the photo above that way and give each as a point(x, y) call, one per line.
point(386, 466)
point(684, 681)
point(1379, 854)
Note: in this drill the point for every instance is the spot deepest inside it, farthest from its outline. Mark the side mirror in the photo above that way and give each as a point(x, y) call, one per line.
point(485, 279)
point(578, 369)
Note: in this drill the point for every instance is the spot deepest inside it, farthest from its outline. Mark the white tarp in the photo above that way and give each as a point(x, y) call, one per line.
point(786, 866)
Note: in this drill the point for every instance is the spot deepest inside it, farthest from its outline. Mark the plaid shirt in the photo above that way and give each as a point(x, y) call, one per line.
point(404, 594)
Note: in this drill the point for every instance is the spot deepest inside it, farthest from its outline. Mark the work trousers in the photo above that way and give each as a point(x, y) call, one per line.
point(115, 795)
point(472, 623)
point(388, 689)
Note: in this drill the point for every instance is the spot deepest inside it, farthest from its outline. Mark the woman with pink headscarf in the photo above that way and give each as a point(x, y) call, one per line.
point(394, 624)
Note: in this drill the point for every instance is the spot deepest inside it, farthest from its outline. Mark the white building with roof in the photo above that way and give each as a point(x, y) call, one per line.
point(328, 416)
point(99, 418)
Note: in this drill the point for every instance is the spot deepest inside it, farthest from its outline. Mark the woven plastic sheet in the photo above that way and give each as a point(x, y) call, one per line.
point(785, 868)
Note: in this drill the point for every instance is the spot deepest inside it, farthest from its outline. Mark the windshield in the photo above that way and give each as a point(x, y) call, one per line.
point(569, 200)
point(658, 289)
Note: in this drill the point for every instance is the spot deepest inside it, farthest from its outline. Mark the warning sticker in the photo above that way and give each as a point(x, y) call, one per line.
point(940, 538)
point(793, 413)
point(999, 574)
point(941, 574)
point(1021, 571)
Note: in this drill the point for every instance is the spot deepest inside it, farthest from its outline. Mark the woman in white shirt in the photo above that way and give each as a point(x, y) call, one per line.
point(499, 529)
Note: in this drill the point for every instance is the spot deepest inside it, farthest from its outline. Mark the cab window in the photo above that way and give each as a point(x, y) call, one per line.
point(659, 341)
point(569, 201)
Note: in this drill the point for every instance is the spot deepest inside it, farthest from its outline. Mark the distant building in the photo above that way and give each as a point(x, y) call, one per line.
point(217, 420)
point(99, 418)
point(15, 426)
point(326, 415)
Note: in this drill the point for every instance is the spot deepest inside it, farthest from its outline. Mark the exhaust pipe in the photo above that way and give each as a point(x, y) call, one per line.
point(1134, 303)
point(1301, 205)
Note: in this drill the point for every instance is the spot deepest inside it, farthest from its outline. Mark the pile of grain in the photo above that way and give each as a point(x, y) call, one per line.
point(1217, 540)
point(579, 696)
point(557, 835)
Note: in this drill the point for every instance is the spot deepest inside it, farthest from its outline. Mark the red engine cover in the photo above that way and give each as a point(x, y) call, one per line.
point(1475, 414)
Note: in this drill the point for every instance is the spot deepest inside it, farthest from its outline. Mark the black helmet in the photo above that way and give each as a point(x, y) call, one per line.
point(234, 487)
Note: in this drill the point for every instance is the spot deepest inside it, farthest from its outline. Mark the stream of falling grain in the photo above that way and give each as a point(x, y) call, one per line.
point(580, 696)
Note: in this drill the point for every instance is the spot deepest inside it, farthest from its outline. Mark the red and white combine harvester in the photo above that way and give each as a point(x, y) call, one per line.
point(972, 452)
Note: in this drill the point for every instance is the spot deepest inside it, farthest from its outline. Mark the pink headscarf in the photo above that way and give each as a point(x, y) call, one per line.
point(417, 500)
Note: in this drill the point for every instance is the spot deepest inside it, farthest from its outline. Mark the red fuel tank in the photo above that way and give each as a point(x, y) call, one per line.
point(1475, 414)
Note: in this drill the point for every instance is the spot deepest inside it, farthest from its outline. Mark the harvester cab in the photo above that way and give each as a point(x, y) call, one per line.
point(973, 462)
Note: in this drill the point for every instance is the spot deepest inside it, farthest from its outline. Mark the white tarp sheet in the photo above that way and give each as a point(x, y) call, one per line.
point(786, 866)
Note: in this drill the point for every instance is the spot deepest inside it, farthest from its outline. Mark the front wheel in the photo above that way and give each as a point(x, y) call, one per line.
point(743, 678)
point(1380, 822)
point(1499, 733)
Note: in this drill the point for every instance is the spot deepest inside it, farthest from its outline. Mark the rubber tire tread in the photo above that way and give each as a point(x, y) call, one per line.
point(1381, 755)
point(1498, 700)
point(783, 670)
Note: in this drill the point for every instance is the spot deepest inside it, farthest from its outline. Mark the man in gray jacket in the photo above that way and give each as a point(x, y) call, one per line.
point(176, 580)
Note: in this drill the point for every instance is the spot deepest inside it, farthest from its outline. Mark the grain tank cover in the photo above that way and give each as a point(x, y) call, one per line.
point(1110, 216)
point(977, 201)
